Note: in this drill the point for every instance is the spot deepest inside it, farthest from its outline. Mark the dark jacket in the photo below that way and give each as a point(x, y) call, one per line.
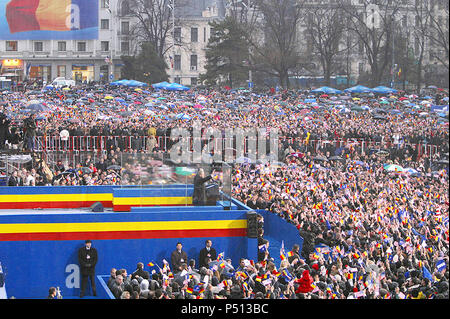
point(87, 259)
point(205, 254)
point(177, 259)
point(199, 195)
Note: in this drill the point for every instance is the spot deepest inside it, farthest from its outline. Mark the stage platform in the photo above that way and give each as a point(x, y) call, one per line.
point(40, 245)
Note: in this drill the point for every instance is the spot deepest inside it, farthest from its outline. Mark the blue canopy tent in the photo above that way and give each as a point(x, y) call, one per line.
point(327, 90)
point(160, 85)
point(129, 83)
point(383, 90)
point(176, 87)
point(358, 89)
point(119, 82)
point(134, 83)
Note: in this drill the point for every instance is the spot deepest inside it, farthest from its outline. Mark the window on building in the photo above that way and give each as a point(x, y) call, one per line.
point(416, 46)
point(177, 34)
point(194, 62)
point(194, 34)
point(204, 34)
point(61, 46)
point(125, 27)
point(11, 45)
point(104, 46)
point(405, 21)
point(194, 81)
point(177, 62)
point(104, 24)
point(105, 4)
point(61, 71)
point(125, 7)
point(177, 79)
point(125, 47)
point(360, 67)
point(360, 47)
point(81, 46)
point(38, 46)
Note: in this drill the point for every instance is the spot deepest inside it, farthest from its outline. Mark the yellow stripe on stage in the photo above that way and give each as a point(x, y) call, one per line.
point(135, 201)
point(54, 15)
point(121, 226)
point(56, 198)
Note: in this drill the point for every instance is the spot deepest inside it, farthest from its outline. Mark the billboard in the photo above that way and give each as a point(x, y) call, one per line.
point(48, 19)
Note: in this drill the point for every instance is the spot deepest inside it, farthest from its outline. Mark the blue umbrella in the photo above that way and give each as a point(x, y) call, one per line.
point(358, 89)
point(182, 116)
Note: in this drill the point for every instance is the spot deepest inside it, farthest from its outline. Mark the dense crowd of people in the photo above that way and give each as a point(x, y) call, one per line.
point(374, 219)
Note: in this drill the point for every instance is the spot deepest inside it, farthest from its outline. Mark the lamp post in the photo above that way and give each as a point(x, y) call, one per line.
point(171, 5)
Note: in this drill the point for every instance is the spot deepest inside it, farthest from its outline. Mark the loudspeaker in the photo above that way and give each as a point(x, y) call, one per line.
point(252, 225)
point(97, 207)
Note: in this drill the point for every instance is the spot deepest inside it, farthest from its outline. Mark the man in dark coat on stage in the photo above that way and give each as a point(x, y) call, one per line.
point(87, 259)
point(199, 196)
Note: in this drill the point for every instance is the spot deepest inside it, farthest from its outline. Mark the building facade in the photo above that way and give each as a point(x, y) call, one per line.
point(94, 53)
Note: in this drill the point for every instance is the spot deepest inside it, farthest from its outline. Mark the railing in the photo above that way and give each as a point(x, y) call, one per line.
point(104, 143)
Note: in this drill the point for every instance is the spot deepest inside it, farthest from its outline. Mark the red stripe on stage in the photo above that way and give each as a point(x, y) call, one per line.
point(47, 205)
point(127, 208)
point(105, 235)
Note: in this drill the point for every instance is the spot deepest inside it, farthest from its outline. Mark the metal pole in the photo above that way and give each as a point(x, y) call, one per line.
point(112, 43)
point(393, 57)
point(172, 6)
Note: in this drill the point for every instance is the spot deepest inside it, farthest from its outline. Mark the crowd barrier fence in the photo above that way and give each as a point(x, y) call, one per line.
point(104, 143)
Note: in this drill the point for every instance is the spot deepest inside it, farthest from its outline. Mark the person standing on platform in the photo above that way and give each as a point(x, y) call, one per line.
point(199, 196)
point(87, 259)
point(207, 253)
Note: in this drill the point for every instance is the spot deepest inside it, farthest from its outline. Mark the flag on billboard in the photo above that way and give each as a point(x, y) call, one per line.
point(50, 15)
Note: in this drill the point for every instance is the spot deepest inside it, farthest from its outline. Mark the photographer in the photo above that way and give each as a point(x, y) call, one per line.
point(29, 132)
point(4, 129)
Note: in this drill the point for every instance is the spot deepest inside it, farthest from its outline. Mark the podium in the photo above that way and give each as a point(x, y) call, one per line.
point(212, 194)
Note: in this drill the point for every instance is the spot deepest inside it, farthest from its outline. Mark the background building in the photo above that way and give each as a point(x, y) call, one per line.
point(90, 54)
point(86, 43)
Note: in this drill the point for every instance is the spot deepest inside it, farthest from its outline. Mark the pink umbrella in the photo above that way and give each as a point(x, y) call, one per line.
point(198, 106)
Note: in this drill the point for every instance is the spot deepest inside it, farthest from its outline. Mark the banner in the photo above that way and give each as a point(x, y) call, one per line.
point(48, 19)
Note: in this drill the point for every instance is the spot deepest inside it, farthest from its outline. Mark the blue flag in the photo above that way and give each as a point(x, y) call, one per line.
point(440, 265)
point(426, 273)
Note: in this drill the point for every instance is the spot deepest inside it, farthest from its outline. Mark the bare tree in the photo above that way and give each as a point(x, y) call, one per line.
point(154, 22)
point(437, 31)
point(420, 32)
point(277, 53)
point(374, 25)
point(325, 27)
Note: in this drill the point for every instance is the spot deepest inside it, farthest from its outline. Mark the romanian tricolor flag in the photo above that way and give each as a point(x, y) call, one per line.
point(189, 290)
point(150, 264)
point(51, 15)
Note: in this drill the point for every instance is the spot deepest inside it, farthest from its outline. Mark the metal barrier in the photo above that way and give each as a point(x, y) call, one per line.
point(104, 143)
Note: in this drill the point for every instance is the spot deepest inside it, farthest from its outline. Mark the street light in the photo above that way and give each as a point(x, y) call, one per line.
point(110, 61)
